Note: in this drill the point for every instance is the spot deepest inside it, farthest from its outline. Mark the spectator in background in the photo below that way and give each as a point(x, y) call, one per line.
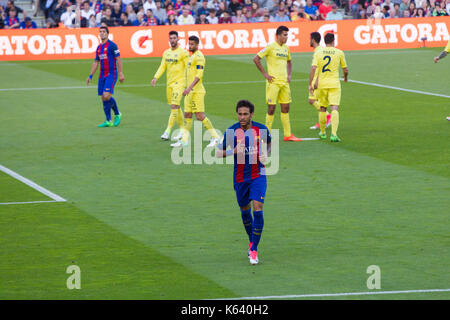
point(149, 4)
point(412, 10)
point(195, 6)
point(248, 16)
point(140, 22)
point(390, 4)
point(201, 19)
point(281, 16)
point(11, 21)
point(225, 18)
point(311, 10)
point(377, 13)
point(256, 11)
point(131, 14)
point(324, 9)
point(28, 24)
point(362, 14)
point(151, 20)
point(440, 9)
point(9, 6)
point(234, 5)
point(124, 22)
point(265, 11)
point(334, 14)
point(68, 17)
point(2, 18)
point(212, 19)
point(107, 17)
point(92, 23)
point(266, 18)
point(447, 6)
point(160, 13)
point(186, 18)
point(116, 13)
point(395, 13)
point(87, 11)
point(203, 9)
point(385, 11)
point(419, 3)
point(213, 4)
point(239, 17)
point(178, 6)
point(136, 4)
point(404, 5)
point(171, 19)
point(222, 8)
point(420, 13)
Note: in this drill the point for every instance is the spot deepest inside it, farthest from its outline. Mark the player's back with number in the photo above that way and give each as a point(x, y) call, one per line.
point(328, 61)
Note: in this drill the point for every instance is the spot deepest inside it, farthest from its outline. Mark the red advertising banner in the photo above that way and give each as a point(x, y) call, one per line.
point(49, 44)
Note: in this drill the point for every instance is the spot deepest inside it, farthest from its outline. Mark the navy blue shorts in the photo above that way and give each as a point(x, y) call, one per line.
point(106, 84)
point(251, 190)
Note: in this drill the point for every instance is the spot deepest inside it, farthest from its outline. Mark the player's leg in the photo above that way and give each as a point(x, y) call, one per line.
point(242, 190)
point(323, 101)
point(106, 96)
point(112, 101)
point(199, 106)
point(314, 101)
point(257, 194)
point(173, 113)
point(284, 98)
point(271, 100)
point(106, 107)
point(335, 99)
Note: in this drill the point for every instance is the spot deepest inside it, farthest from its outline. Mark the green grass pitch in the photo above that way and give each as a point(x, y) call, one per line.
point(140, 227)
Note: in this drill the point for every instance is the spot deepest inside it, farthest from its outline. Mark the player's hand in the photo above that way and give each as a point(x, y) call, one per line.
point(263, 158)
point(269, 77)
point(311, 89)
point(88, 80)
point(154, 82)
point(121, 77)
point(186, 92)
point(436, 59)
point(345, 79)
point(289, 78)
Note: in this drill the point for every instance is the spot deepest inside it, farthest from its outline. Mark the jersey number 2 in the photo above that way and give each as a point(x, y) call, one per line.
point(324, 69)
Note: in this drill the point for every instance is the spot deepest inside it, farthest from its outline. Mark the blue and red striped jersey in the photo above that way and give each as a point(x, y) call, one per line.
point(246, 165)
point(107, 53)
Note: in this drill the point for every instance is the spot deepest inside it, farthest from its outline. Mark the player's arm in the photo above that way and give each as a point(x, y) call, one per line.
point(200, 67)
point(442, 55)
point(257, 61)
point(313, 86)
point(93, 70)
point(120, 68)
point(344, 67)
point(289, 70)
point(160, 71)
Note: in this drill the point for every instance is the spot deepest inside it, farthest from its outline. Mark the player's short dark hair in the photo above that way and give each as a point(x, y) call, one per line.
point(316, 36)
point(329, 38)
point(195, 39)
point(173, 32)
point(106, 28)
point(281, 29)
point(246, 104)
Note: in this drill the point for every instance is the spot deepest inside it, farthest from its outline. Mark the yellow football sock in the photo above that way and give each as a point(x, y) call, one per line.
point(322, 121)
point(187, 128)
point(286, 124)
point(208, 126)
point(172, 119)
point(334, 121)
point(269, 121)
point(316, 105)
point(180, 118)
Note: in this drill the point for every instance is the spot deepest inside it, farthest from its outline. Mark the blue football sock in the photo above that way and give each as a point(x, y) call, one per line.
point(247, 221)
point(107, 110)
point(258, 224)
point(114, 106)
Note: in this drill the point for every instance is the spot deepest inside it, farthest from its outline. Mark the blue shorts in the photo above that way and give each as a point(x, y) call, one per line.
point(106, 84)
point(251, 190)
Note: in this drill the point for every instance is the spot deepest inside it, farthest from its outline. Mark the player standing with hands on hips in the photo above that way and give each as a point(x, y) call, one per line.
point(108, 56)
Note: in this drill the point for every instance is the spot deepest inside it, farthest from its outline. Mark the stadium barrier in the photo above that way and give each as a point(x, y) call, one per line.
point(49, 44)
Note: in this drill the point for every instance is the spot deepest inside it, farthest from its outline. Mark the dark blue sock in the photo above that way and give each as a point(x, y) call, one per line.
point(247, 221)
point(258, 224)
point(107, 110)
point(114, 106)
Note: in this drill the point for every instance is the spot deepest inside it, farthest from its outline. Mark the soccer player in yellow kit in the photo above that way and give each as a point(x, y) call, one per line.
point(174, 60)
point(278, 77)
point(194, 100)
point(313, 99)
point(441, 56)
point(327, 61)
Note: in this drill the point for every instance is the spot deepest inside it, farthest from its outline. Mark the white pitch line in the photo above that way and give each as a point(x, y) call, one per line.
point(26, 202)
point(400, 89)
point(139, 85)
point(337, 294)
point(32, 184)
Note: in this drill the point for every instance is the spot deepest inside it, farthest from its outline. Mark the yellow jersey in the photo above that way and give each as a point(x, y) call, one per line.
point(277, 57)
point(195, 68)
point(447, 48)
point(175, 62)
point(328, 60)
point(317, 49)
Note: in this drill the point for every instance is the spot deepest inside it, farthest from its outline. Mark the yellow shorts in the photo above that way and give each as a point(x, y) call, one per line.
point(329, 97)
point(194, 102)
point(278, 92)
point(174, 94)
point(314, 96)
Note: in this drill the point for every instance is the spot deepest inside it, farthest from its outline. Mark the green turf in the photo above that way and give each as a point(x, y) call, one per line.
point(141, 227)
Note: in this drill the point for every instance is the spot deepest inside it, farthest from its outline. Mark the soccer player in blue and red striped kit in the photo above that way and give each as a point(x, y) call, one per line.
point(108, 56)
point(244, 141)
